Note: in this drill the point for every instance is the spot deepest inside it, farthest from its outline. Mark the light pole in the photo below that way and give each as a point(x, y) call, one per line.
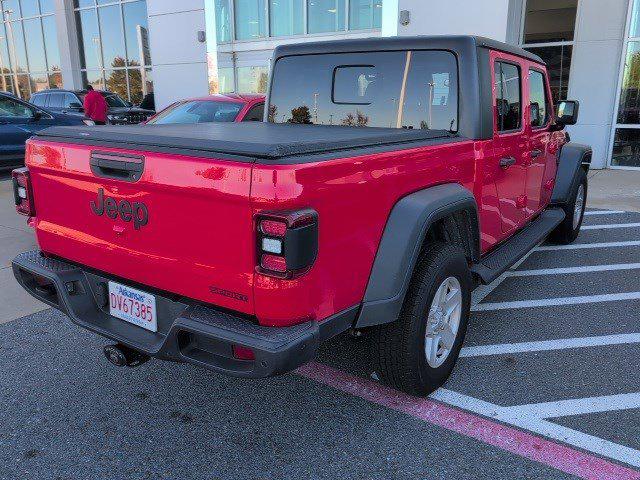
point(12, 52)
point(4, 79)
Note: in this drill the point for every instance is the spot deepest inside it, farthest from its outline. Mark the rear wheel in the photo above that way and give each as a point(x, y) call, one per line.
point(417, 352)
point(569, 229)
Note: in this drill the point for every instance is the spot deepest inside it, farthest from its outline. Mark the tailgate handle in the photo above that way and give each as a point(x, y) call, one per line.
point(118, 166)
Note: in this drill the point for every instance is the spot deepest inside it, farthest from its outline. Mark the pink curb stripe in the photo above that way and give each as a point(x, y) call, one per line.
point(507, 438)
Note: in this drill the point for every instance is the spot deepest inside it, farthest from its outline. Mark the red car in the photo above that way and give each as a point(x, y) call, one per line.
point(393, 177)
point(230, 107)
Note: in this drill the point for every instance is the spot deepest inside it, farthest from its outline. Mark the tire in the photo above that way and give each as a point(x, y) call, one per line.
point(569, 229)
point(399, 349)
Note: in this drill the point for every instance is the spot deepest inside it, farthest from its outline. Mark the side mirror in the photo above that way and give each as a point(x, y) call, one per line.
point(567, 113)
point(37, 115)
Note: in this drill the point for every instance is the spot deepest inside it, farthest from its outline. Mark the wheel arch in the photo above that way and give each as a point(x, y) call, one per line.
point(572, 158)
point(446, 213)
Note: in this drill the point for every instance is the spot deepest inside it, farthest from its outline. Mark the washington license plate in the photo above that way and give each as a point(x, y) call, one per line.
point(133, 306)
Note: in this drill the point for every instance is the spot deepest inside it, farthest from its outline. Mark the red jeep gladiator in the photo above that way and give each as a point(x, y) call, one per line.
point(389, 179)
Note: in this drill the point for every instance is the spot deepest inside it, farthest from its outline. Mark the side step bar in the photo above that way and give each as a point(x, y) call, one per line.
point(506, 255)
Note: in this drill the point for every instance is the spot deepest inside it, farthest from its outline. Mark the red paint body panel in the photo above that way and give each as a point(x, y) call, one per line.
point(198, 237)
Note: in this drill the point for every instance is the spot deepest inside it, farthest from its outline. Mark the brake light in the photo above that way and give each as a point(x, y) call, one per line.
point(22, 192)
point(242, 353)
point(287, 242)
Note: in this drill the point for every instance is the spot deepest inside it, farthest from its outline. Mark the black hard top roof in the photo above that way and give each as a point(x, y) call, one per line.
point(447, 42)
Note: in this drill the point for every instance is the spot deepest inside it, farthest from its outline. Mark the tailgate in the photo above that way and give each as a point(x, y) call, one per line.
point(177, 223)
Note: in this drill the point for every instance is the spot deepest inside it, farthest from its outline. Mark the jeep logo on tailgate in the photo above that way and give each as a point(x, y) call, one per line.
point(136, 212)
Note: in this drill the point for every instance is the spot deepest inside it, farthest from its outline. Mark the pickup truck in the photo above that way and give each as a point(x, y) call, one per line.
point(389, 179)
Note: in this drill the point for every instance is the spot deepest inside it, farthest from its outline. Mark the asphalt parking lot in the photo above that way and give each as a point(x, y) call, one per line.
point(547, 388)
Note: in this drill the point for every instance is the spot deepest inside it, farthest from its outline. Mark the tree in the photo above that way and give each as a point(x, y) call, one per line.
point(300, 115)
point(273, 111)
point(357, 120)
point(117, 80)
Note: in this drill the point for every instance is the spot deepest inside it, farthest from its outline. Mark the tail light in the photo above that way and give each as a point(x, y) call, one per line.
point(22, 192)
point(287, 242)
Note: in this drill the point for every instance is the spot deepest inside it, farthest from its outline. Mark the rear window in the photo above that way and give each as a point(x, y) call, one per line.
point(199, 111)
point(378, 89)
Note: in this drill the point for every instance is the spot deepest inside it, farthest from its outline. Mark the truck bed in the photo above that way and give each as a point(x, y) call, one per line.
point(254, 140)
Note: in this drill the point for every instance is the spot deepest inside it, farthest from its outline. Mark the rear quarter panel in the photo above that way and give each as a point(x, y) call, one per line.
point(353, 197)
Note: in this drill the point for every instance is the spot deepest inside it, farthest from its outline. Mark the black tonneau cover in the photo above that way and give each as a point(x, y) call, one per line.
point(251, 139)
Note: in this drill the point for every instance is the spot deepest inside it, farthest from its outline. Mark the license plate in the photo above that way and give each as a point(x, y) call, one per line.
point(133, 306)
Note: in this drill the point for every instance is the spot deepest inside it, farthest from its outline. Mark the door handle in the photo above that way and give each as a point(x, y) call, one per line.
point(536, 153)
point(507, 162)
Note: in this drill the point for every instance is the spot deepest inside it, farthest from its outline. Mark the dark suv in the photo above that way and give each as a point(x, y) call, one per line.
point(120, 111)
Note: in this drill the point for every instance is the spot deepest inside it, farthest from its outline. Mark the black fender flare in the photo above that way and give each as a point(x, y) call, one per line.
point(571, 159)
point(402, 239)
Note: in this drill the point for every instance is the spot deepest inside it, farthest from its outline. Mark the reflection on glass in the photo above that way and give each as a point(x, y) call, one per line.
point(117, 82)
point(250, 19)
point(23, 86)
point(225, 79)
point(558, 60)
point(112, 36)
point(93, 78)
point(29, 8)
point(88, 31)
point(325, 15)
point(303, 89)
point(138, 86)
point(83, 3)
point(51, 41)
point(39, 83)
point(365, 14)
point(223, 20)
point(47, 6)
point(199, 111)
point(18, 44)
point(55, 79)
point(13, 6)
point(35, 45)
point(253, 79)
point(547, 21)
point(634, 27)
point(135, 16)
point(626, 148)
point(629, 108)
point(287, 17)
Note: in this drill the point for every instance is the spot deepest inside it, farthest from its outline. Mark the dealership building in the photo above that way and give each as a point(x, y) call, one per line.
point(187, 48)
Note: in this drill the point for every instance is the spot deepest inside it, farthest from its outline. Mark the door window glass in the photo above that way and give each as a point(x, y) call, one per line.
point(538, 99)
point(256, 114)
point(508, 96)
point(14, 109)
point(39, 100)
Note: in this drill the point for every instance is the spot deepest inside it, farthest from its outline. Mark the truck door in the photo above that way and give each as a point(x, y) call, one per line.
point(510, 141)
point(543, 151)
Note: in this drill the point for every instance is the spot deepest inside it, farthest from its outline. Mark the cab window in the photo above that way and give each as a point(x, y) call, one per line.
point(255, 114)
point(508, 96)
point(14, 109)
point(539, 103)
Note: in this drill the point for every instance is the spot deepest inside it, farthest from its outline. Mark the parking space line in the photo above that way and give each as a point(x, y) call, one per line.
point(569, 270)
point(610, 226)
point(551, 302)
point(464, 421)
point(549, 345)
point(579, 406)
point(603, 212)
point(579, 246)
point(523, 419)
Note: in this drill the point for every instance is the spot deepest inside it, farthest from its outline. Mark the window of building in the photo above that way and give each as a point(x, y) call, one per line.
point(325, 15)
point(253, 79)
point(365, 14)
point(286, 17)
point(625, 149)
point(508, 96)
point(223, 20)
point(226, 82)
point(29, 55)
point(250, 19)
point(538, 100)
point(549, 33)
point(114, 42)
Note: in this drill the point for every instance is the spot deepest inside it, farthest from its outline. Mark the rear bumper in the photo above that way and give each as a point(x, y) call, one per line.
point(187, 332)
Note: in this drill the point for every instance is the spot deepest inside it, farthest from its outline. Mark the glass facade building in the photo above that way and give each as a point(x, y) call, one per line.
point(29, 52)
point(114, 46)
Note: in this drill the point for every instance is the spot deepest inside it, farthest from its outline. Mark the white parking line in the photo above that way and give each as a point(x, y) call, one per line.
point(550, 302)
point(569, 270)
point(549, 345)
point(610, 226)
point(580, 246)
point(528, 421)
point(603, 212)
point(578, 406)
